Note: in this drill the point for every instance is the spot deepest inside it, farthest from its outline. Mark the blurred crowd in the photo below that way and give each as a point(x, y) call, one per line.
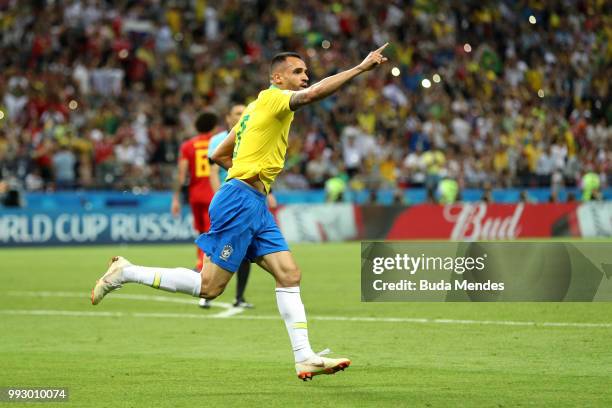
point(100, 94)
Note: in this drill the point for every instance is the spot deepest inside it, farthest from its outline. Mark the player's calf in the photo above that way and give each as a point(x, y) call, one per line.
point(210, 293)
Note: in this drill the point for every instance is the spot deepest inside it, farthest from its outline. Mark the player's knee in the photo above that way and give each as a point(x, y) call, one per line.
point(209, 293)
point(290, 276)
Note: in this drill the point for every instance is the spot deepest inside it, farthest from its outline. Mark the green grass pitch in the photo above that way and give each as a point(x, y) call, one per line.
point(133, 350)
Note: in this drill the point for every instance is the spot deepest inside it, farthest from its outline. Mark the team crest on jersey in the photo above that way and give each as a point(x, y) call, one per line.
point(226, 252)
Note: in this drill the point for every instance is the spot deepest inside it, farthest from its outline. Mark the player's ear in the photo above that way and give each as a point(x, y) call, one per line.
point(276, 78)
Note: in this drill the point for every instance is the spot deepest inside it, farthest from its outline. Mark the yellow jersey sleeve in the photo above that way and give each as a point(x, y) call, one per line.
point(276, 101)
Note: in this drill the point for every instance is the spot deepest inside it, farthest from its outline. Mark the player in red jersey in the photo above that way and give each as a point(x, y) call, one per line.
point(193, 157)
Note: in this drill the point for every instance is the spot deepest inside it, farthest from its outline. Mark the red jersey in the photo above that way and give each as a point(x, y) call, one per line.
point(195, 151)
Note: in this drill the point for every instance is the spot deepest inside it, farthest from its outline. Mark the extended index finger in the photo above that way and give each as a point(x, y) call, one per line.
point(383, 47)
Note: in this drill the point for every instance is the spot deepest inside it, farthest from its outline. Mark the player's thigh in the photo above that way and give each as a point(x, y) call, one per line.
point(263, 264)
point(283, 267)
point(270, 250)
point(214, 279)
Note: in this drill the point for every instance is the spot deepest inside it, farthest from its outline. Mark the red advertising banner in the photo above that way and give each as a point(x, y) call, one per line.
point(460, 222)
point(480, 221)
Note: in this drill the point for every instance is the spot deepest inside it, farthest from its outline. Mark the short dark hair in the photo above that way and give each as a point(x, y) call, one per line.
point(235, 102)
point(206, 121)
point(282, 57)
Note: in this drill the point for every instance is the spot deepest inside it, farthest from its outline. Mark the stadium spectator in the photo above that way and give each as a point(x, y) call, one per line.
point(64, 162)
point(317, 170)
point(448, 191)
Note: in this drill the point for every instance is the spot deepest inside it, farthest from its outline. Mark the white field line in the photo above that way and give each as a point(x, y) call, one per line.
point(234, 314)
point(229, 312)
point(228, 309)
point(45, 312)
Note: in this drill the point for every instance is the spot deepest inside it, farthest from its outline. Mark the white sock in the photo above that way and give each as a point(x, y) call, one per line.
point(292, 311)
point(181, 280)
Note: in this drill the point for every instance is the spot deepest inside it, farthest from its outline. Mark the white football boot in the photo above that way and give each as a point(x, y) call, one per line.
point(317, 365)
point(111, 280)
point(204, 303)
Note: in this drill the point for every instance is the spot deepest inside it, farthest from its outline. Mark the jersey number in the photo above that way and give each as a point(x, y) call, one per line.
point(241, 129)
point(202, 165)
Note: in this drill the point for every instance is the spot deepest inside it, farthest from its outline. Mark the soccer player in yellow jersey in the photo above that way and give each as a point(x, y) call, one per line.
point(241, 224)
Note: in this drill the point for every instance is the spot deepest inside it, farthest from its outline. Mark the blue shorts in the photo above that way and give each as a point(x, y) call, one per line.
point(241, 226)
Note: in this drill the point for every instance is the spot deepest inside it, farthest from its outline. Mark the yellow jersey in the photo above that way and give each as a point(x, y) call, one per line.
point(261, 137)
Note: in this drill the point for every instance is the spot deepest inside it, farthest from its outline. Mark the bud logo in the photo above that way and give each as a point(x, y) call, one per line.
point(471, 222)
point(478, 221)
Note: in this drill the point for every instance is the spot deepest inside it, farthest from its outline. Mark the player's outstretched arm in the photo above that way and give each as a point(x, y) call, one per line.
point(332, 83)
point(224, 152)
